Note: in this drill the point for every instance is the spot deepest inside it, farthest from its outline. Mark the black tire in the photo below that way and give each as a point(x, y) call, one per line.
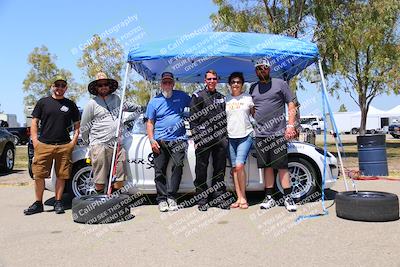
point(354, 131)
point(367, 206)
point(395, 136)
point(81, 182)
point(304, 183)
point(7, 159)
point(101, 209)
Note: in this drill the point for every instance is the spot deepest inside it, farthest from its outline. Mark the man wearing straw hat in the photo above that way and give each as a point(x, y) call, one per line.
point(98, 127)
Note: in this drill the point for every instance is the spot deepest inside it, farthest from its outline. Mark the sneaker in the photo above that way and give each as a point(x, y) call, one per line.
point(36, 207)
point(173, 206)
point(268, 203)
point(163, 206)
point(289, 204)
point(203, 207)
point(59, 207)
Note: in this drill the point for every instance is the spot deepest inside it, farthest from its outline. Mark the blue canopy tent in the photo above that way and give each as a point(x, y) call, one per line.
point(188, 57)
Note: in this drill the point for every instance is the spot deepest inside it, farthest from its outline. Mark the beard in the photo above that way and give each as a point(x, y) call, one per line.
point(103, 93)
point(167, 94)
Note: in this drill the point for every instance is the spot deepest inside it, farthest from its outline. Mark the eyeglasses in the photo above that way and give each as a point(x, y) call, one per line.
point(262, 68)
point(212, 79)
point(236, 82)
point(60, 85)
point(99, 85)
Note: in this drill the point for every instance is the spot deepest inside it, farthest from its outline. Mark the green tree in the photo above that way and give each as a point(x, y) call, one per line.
point(342, 108)
point(277, 16)
point(102, 56)
point(286, 17)
point(39, 78)
point(359, 41)
point(107, 55)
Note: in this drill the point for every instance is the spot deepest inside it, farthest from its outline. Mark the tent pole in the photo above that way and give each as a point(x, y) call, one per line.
point(321, 72)
point(122, 98)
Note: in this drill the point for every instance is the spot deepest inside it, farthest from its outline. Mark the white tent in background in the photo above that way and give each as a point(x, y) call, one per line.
point(394, 112)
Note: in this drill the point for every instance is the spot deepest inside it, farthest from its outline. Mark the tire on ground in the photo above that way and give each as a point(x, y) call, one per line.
point(368, 206)
point(101, 209)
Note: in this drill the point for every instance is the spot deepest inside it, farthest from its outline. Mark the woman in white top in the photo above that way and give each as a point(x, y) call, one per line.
point(239, 106)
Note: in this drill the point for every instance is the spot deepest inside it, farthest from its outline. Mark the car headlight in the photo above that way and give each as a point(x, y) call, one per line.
point(321, 151)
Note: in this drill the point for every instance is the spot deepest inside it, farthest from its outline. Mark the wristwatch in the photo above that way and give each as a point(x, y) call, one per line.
point(290, 126)
point(152, 141)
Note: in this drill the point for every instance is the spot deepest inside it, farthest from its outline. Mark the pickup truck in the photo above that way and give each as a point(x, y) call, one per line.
point(394, 130)
point(21, 134)
point(305, 166)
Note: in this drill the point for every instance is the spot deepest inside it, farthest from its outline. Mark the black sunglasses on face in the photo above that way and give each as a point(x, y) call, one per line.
point(236, 82)
point(212, 79)
point(60, 85)
point(262, 68)
point(102, 85)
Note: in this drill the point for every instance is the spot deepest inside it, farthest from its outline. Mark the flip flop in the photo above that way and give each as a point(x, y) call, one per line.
point(235, 205)
point(244, 205)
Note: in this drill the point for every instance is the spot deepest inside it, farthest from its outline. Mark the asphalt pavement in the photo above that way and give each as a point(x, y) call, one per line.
point(193, 238)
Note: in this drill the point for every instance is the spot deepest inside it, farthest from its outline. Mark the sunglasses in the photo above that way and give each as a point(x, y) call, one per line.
point(212, 79)
point(262, 68)
point(102, 85)
point(60, 85)
point(236, 82)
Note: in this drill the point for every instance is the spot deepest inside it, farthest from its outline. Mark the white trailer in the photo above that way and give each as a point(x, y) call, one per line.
point(349, 122)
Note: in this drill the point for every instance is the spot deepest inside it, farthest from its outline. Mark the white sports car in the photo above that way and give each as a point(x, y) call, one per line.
point(306, 165)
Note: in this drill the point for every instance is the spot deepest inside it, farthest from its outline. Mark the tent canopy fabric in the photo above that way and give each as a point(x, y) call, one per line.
point(188, 57)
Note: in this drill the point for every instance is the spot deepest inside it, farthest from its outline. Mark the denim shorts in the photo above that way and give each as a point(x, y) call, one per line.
point(239, 149)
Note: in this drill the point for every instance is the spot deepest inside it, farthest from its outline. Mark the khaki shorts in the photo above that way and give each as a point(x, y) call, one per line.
point(43, 160)
point(101, 157)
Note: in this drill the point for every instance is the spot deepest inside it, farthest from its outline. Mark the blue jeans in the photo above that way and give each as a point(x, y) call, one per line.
point(239, 149)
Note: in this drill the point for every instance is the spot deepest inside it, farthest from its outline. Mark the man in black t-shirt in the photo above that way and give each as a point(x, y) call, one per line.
point(58, 116)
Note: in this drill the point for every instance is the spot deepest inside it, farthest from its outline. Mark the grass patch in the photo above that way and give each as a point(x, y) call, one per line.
point(21, 157)
point(350, 156)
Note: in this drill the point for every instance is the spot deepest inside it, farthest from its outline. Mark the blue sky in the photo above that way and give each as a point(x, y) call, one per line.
point(64, 25)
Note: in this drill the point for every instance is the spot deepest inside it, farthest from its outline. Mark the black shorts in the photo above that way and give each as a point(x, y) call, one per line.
point(272, 152)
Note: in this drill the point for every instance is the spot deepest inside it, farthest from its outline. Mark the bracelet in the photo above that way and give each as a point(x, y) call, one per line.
point(152, 141)
point(290, 126)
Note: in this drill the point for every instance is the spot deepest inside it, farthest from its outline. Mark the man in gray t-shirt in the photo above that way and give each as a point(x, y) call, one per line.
point(270, 96)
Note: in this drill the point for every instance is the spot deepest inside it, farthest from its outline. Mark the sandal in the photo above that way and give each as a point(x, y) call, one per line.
point(235, 205)
point(244, 205)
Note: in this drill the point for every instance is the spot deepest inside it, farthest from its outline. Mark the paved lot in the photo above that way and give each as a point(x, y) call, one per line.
point(192, 238)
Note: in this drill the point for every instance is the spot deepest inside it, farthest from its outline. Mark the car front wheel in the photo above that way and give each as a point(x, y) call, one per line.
point(82, 182)
point(303, 179)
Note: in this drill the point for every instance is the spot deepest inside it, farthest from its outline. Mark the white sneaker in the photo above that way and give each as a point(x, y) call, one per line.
point(268, 203)
point(163, 206)
point(289, 204)
point(173, 206)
